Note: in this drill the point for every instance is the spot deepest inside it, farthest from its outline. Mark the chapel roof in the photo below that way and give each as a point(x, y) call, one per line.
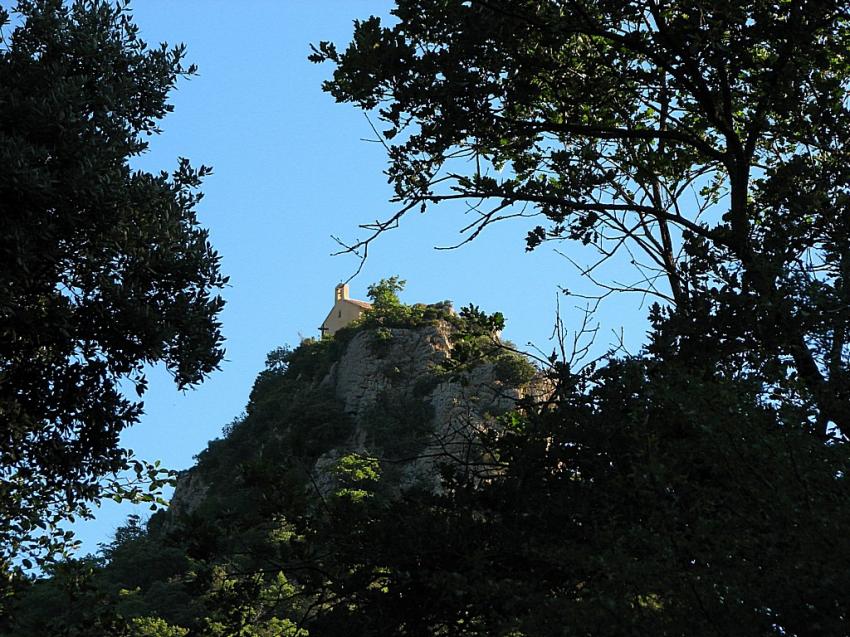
point(363, 304)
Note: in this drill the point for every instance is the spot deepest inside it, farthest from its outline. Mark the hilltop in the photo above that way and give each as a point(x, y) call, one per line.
point(332, 428)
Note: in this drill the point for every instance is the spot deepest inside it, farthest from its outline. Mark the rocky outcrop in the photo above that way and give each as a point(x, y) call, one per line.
point(401, 366)
point(189, 492)
point(406, 409)
point(390, 358)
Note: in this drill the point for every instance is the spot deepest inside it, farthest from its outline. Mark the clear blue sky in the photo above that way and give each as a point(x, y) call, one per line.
point(290, 170)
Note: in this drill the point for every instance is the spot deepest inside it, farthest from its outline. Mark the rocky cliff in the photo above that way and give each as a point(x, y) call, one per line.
point(400, 404)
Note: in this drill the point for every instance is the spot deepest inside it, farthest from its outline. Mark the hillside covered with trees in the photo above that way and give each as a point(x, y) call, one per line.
point(258, 535)
point(627, 493)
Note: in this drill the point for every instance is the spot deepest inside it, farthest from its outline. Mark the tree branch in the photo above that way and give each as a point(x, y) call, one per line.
point(619, 133)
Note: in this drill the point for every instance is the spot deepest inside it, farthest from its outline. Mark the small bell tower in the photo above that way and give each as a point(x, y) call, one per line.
point(341, 292)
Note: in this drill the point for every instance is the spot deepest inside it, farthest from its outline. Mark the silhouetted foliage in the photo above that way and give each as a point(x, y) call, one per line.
point(701, 144)
point(103, 269)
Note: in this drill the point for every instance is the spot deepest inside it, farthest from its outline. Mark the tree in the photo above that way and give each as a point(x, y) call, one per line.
point(708, 139)
point(384, 293)
point(647, 498)
point(696, 488)
point(103, 269)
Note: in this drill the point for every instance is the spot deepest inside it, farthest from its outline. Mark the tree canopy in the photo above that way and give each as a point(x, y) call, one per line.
point(104, 269)
point(708, 139)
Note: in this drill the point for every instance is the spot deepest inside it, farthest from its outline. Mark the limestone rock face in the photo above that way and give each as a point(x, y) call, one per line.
point(402, 366)
point(379, 360)
point(189, 492)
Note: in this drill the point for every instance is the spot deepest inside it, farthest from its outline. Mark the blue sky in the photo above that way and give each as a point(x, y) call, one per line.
point(290, 170)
